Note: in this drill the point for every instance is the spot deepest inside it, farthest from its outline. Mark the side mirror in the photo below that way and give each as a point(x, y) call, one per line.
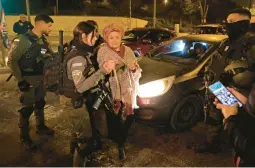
point(146, 41)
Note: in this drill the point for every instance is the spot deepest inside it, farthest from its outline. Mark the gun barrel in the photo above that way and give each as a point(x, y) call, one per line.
point(61, 37)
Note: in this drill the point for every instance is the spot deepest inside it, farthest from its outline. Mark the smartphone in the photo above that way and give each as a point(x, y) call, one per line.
point(223, 94)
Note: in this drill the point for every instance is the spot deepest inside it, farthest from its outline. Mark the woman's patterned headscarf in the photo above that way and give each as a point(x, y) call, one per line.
point(112, 28)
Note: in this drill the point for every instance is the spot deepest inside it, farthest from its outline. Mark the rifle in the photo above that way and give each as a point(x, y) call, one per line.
point(103, 96)
point(61, 57)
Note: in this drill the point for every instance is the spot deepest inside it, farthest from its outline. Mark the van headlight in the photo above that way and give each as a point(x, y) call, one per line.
point(156, 88)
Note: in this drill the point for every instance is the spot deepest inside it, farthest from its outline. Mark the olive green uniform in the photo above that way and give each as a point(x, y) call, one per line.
point(33, 99)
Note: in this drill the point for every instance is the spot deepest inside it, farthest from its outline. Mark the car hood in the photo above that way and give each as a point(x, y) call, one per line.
point(156, 69)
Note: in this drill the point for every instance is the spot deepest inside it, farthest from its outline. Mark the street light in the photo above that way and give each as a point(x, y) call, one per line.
point(28, 10)
point(165, 1)
point(130, 14)
point(154, 14)
point(57, 6)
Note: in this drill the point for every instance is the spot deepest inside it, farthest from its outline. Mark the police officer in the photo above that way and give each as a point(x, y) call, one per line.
point(239, 124)
point(237, 57)
point(85, 78)
point(26, 58)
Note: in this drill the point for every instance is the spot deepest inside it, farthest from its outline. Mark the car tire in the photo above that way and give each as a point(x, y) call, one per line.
point(186, 113)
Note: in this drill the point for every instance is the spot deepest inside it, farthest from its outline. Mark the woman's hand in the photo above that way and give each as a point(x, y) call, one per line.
point(238, 95)
point(108, 66)
point(226, 110)
point(132, 66)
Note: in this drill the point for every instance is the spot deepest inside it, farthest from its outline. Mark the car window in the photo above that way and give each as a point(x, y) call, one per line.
point(182, 49)
point(221, 30)
point(134, 35)
point(165, 35)
point(158, 36)
point(205, 30)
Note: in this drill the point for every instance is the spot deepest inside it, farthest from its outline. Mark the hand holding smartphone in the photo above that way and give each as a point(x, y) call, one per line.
point(223, 94)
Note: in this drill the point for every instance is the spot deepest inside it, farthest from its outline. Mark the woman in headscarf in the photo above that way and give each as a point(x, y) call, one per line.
point(123, 83)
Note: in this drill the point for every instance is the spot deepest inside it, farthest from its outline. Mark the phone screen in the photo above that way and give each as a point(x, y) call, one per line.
point(223, 94)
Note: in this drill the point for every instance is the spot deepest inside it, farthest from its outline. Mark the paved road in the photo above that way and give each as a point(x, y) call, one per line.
point(146, 146)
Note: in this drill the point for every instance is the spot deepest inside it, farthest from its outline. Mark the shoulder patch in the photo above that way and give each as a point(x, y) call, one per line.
point(76, 75)
point(13, 48)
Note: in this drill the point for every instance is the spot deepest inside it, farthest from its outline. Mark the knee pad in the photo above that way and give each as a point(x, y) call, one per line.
point(26, 111)
point(40, 104)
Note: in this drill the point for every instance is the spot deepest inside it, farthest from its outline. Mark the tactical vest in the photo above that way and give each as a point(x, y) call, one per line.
point(67, 88)
point(230, 65)
point(31, 63)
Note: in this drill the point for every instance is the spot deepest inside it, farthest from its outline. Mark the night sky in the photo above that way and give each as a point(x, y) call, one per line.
point(19, 6)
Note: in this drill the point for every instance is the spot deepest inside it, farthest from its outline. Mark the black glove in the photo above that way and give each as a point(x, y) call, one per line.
point(24, 86)
point(77, 101)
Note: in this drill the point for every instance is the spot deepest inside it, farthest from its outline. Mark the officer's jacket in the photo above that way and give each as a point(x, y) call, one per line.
point(242, 48)
point(241, 133)
point(235, 57)
point(76, 67)
point(26, 58)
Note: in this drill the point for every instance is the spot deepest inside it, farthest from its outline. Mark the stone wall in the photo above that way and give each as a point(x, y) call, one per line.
point(67, 23)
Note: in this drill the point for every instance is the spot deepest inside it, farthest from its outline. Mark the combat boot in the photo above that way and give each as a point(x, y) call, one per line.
point(122, 154)
point(26, 140)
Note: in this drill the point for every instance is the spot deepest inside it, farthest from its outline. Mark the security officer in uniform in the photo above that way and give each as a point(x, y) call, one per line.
point(81, 71)
point(234, 66)
point(26, 61)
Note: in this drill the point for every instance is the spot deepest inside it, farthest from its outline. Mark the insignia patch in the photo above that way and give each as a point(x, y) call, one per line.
point(76, 75)
point(43, 51)
point(76, 64)
point(17, 40)
point(13, 47)
point(226, 48)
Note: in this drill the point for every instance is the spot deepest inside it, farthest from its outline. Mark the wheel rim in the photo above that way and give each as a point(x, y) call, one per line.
point(186, 113)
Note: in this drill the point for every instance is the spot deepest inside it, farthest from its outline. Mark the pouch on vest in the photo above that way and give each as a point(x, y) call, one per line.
point(31, 63)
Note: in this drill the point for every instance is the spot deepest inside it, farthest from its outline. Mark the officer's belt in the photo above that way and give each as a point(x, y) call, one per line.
point(236, 71)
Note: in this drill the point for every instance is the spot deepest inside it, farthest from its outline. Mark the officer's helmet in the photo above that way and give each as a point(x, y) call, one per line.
point(242, 77)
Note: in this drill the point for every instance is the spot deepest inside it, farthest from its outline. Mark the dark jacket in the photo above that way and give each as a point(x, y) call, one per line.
point(241, 132)
point(22, 27)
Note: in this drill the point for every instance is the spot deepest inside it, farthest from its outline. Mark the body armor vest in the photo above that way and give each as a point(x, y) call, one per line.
point(31, 63)
point(231, 65)
point(68, 88)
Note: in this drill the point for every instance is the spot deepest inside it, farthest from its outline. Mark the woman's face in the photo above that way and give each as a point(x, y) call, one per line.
point(89, 39)
point(114, 40)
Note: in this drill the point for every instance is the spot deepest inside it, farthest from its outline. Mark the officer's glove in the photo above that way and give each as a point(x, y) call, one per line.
point(24, 86)
point(77, 101)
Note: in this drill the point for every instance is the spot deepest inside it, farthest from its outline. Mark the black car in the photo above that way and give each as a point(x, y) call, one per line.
point(209, 29)
point(171, 87)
